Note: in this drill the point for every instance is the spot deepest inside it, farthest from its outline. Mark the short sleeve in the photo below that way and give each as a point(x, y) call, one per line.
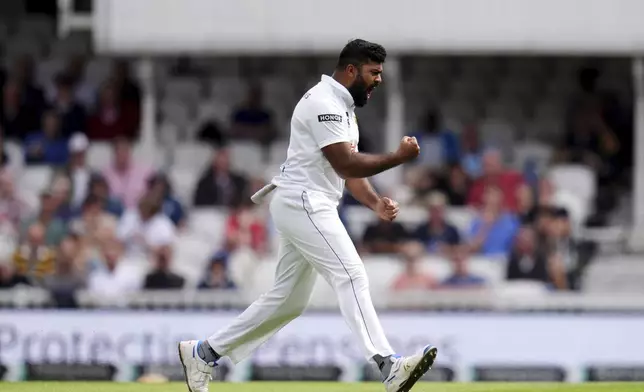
point(328, 124)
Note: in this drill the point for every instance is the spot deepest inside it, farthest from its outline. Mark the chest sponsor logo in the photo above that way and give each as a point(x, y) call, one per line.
point(329, 118)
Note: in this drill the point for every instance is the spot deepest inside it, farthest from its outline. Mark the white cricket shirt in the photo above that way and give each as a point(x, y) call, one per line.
point(325, 115)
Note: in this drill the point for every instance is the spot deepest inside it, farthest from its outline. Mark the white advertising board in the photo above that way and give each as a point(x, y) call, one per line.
point(268, 26)
point(465, 341)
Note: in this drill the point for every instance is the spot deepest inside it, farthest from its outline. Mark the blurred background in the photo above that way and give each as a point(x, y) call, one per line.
point(134, 132)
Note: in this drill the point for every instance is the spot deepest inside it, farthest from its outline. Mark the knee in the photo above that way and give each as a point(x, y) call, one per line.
point(353, 276)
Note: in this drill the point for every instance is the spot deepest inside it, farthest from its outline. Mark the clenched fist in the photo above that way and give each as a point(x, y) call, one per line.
point(408, 149)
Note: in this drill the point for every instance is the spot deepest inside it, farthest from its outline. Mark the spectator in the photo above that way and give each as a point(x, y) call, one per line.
point(16, 119)
point(33, 259)
point(72, 114)
point(32, 96)
point(422, 182)
point(472, 153)
point(55, 229)
point(526, 207)
point(77, 169)
point(437, 235)
point(99, 188)
point(493, 229)
point(12, 205)
point(61, 190)
point(457, 186)
point(212, 133)
point(218, 186)
point(161, 277)
point(4, 156)
point(549, 196)
point(413, 278)
point(245, 229)
point(94, 223)
point(144, 229)
point(383, 237)
point(217, 275)
point(461, 277)
point(252, 120)
point(84, 93)
point(66, 279)
point(494, 175)
point(127, 179)
point(113, 118)
point(126, 86)
point(8, 277)
point(48, 146)
point(438, 145)
point(527, 262)
point(567, 253)
point(172, 208)
point(117, 278)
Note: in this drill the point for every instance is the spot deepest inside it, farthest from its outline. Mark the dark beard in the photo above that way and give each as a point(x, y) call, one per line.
point(358, 91)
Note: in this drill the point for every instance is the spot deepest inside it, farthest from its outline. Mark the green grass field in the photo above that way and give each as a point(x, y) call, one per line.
point(318, 387)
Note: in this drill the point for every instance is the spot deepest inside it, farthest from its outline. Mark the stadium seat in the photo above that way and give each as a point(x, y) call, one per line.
point(208, 224)
point(461, 218)
point(16, 156)
point(35, 179)
point(194, 156)
point(184, 182)
point(186, 90)
point(99, 155)
point(228, 89)
point(246, 158)
point(191, 255)
point(534, 151)
point(579, 180)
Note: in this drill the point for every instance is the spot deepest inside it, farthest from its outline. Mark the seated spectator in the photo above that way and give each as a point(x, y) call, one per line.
point(77, 169)
point(212, 133)
point(61, 190)
point(12, 206)
point(495, 175)
point(217, 274)
point(48, 146)
point(421, 182)
point(72, 115)
point(84, 92)
point(146, 228)
point(161, 277)
point(437, 235)
point(33, 259)
point(471, 152)
point(571, 255)
point(438, 145)
point(245, 229)
point(252, 120)
point(127, 179)
point(99, 188)
point(93, 223)
point(159, 184)
point(457, 186)
point(528, 262)
point(383, 237)
point(8, 277)
point(461, 277)
point(413, 278)
point(526, 207)
point(23, 72)
point(550, 196)
point(16, 118)
point(126, 86)
point(113, 118)
point(55, 229)
point(66, 279)
point(493, 229)
point(113, 278)
point(218, 186)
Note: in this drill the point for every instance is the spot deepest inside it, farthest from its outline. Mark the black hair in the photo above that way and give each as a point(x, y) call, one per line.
point(359, 52)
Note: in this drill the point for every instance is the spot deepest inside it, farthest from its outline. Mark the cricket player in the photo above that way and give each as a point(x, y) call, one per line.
point(322, 159)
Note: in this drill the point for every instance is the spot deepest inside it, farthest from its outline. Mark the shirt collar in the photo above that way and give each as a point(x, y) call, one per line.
point(339, 89)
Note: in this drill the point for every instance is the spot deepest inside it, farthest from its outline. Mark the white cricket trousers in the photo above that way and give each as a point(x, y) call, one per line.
point(312, 240)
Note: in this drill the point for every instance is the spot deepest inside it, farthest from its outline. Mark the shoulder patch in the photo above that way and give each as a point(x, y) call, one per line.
point(329, 118)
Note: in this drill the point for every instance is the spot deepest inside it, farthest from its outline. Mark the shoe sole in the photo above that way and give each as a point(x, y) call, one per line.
point(423, 366)
point(185, 371)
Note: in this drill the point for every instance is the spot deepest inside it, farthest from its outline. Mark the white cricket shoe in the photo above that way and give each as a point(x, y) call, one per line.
point(406, 371)
point(198, 373)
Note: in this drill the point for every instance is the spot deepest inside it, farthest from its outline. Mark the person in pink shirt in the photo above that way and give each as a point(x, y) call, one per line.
point(127, 178)
point(496, 176)
point(413, 277)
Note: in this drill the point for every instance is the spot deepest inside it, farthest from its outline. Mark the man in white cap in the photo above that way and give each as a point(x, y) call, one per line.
point(77, 169)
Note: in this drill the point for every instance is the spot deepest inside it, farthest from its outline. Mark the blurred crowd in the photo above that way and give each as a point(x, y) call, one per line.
point(79, 232)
